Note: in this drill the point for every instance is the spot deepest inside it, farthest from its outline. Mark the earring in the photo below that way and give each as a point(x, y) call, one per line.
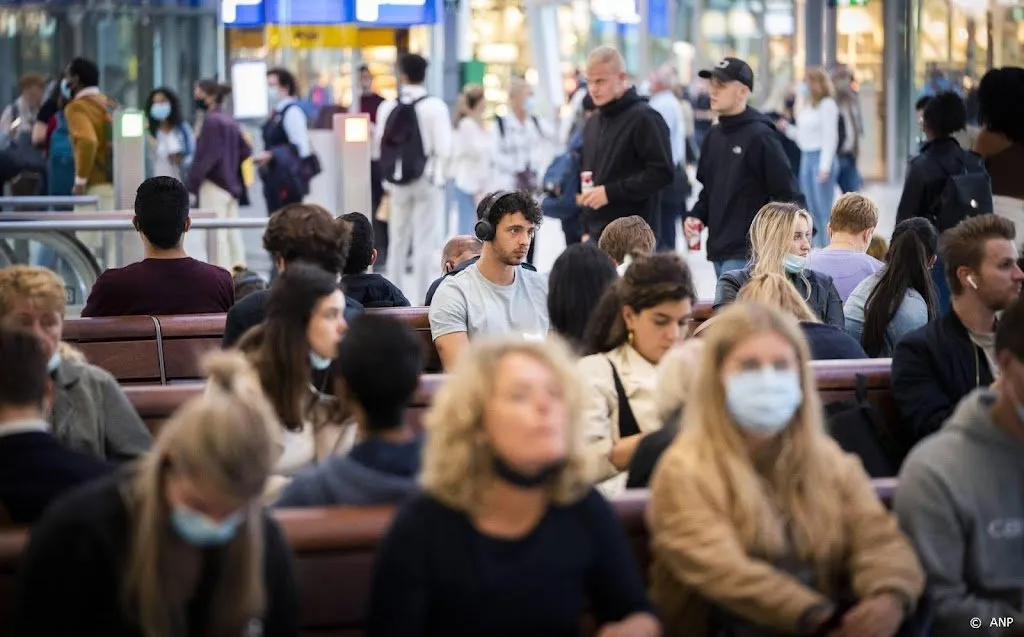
point(629, 337)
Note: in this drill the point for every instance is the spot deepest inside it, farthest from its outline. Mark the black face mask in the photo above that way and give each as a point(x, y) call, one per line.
point(522, 480)
point(201, 105)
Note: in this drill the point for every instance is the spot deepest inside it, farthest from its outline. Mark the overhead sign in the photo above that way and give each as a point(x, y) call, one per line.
point(384, 13)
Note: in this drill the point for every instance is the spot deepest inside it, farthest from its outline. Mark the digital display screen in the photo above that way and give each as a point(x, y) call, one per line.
point(249, 89)
point(133, 124)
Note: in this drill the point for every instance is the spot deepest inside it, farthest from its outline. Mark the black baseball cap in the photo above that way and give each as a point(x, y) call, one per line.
point(731, 70)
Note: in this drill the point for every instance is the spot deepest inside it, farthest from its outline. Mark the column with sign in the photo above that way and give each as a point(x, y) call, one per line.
point(352, 143)
point(129, 156)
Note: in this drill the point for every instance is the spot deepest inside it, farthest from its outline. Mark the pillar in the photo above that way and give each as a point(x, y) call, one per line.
point(814, 32)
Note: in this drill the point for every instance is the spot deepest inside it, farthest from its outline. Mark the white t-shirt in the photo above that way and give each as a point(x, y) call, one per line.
point(468, 302)
point(168, 143)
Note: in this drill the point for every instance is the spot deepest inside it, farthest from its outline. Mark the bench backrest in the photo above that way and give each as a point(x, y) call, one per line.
point(167, 349)
point(334, 552)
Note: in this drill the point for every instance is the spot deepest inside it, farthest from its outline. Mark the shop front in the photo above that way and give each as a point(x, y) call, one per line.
point(325, 41)
point(137, 45)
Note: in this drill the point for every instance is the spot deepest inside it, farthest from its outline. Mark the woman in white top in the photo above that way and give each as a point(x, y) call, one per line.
point(473, 150)
point(639, 318)
point(817, 134)
point(292, 353)
point(171, 140)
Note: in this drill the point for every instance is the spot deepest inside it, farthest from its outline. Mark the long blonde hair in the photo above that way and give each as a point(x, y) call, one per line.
point(802, 480)
point(227, 439)
point(775, 290)
point(457, 460)
point(771, 235)
point(817, 76)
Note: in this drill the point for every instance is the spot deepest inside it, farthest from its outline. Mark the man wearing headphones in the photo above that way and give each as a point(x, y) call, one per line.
point(496, 296)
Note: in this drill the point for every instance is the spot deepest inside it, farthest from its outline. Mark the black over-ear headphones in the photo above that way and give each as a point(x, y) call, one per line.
point(483, 229)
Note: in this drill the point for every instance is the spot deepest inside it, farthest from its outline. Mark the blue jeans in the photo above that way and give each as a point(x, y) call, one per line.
point(721, 267)
point(848, 175)
point(819, 195)
point(467, 211)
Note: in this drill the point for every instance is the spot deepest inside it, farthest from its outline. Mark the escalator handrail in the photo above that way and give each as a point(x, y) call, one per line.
point(69, 248)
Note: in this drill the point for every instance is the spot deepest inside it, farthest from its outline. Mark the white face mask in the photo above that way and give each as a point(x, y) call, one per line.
point(54, 363)
point(763, 401)
point(318, 362)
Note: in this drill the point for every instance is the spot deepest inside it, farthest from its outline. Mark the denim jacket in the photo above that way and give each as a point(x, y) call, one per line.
point(912, 314)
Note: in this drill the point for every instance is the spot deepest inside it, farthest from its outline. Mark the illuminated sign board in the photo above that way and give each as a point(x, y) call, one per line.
point(378, 13)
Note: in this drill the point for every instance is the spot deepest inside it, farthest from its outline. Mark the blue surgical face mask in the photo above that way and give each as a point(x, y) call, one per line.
point(273, 97)
point(200, 531)
point(160, 111)
point(531, 104)
point(53, 363)
point(802, 90)
point(319, 362)
point(763, 401)
point(794, 264)
point(65, 88)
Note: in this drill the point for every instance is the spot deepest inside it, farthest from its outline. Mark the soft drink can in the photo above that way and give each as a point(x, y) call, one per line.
point(586, 180)
point(694, 240)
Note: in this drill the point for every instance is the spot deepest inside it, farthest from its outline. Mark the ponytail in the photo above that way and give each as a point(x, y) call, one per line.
point(912, 249)
point(468, 100)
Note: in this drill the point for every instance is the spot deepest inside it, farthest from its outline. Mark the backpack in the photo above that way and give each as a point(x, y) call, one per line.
point(858, 427)
point(561, 184)
point(60, 161)
point(402, 157)
point(966, 194)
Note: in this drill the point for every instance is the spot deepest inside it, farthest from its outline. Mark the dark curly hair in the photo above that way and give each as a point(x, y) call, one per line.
point(1000, 94)
point(175, 119)
point(308, 232)
point(361, 246)
point(509, 203)
point(649, 281)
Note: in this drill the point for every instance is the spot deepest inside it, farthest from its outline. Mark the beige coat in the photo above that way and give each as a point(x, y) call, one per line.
point(698, 558)
point(601, 408)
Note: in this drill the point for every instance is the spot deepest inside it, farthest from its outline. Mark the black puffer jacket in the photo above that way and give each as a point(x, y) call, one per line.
point(373, 290)
point(823, 299)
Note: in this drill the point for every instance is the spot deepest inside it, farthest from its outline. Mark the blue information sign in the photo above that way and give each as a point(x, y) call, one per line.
point(383, 13)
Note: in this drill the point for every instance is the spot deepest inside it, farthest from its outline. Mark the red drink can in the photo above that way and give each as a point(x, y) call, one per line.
point(694, 239)
point(586, 180)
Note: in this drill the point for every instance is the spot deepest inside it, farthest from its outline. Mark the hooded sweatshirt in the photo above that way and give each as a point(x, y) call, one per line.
point(961, 500)
point(375, 471)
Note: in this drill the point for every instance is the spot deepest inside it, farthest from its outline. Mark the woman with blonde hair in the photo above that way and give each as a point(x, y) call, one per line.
point(179, 544)
point(760, 523)
point(90, 411)
point(640, 317)
point(780, 240)
point(472, 153)
point(827, 342)
point(817, 134)
point(508, 537)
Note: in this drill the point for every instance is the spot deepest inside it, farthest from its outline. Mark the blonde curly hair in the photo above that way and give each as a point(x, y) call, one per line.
point(457, 462)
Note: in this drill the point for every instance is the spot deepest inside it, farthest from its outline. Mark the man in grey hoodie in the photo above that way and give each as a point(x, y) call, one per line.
point(961, 500)
point(378, 366)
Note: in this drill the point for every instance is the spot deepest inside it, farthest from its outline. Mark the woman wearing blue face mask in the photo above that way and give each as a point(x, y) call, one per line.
point(780, 240)
point(760, 523)
point(171, 140)
point(179, 544)
point(292, 353)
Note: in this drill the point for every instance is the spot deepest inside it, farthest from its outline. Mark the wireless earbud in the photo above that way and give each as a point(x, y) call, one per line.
point(973, 283)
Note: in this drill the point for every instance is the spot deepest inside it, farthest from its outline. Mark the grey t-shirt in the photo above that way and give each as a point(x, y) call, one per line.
point(468, 302)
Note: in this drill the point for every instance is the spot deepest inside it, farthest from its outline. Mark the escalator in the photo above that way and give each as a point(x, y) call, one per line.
point(58, 251)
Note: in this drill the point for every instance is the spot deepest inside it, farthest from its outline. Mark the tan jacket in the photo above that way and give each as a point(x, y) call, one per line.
point(601, 407)
point(89, 127)
point(698, 558)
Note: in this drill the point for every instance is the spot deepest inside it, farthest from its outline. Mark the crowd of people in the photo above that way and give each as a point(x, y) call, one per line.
point(562, 391)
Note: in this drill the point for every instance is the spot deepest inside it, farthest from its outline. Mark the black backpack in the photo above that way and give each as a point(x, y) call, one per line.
point(966, 194)
point(402, 157)
point(860, 429)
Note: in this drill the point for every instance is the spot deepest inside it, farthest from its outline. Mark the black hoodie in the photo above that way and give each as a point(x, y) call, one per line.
point(742, 167)
point(626, 146)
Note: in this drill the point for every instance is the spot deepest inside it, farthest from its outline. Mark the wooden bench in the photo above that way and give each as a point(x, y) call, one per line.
point(837, 381)
point(334, 551)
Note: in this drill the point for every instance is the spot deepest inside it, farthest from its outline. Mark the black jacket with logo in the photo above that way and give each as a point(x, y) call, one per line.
point(626, 146)
point(742, 167)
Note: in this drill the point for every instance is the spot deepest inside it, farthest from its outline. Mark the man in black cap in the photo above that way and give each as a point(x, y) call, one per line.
point(742, 167)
